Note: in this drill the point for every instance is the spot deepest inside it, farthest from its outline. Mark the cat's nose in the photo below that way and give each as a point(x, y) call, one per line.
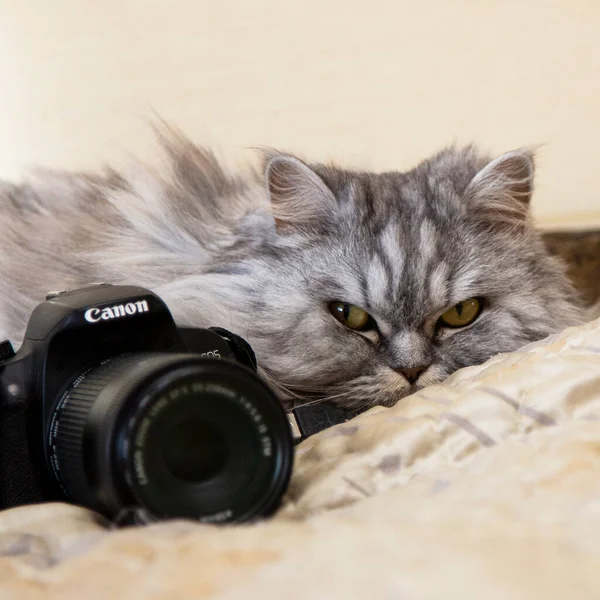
point(413, 373)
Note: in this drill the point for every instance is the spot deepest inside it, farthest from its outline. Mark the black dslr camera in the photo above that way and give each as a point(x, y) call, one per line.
point(109, 405)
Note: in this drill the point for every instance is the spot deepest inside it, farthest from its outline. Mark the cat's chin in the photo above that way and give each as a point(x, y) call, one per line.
point(433, 375)
point(395, 387)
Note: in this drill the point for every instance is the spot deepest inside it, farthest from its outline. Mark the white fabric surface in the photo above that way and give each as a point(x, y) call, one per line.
point(487, 486)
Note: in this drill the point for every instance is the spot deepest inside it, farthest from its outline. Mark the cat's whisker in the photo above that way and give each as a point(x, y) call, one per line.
point(276, 383)
point(292, 387)
point(246, 334)
point(327, 398)
point(310, 403)
point(293, 390)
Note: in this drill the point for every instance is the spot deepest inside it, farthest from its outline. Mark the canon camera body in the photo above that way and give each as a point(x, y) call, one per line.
point(109, 405)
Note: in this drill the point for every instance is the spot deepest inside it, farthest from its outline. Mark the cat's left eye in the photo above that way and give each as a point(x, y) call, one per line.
point(462, 314)
point(352, 316)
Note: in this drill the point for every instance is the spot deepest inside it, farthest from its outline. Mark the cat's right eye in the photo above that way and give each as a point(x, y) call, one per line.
point(352, 316)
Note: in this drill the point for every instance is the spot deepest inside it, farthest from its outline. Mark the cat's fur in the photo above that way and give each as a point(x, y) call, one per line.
point(264, 253)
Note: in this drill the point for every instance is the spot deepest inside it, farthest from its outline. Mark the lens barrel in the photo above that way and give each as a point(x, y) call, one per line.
point(173, 436)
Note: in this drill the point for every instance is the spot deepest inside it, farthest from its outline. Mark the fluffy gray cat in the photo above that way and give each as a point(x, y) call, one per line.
point(355, 287)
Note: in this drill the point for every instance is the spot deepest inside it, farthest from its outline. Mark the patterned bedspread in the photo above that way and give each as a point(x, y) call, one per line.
point(487, 486)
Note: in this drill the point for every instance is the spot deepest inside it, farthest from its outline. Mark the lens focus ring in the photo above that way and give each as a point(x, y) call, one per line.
point(71, 419)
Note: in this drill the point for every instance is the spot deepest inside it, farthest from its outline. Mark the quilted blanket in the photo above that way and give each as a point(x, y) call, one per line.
point(486, 486)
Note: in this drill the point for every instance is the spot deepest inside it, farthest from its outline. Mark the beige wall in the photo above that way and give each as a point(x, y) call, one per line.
point(379, 84)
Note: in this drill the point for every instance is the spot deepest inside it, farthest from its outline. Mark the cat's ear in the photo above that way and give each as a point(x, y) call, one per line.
point(501, 192)
point(298, 195)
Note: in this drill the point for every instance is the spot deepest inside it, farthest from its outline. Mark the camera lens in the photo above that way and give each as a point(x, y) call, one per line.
point(194, 451)
point(175, 436)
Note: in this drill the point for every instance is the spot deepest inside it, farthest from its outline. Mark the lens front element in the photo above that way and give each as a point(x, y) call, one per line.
point(194, 451)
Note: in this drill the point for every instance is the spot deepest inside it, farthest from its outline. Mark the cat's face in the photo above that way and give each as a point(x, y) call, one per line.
point(374, 286)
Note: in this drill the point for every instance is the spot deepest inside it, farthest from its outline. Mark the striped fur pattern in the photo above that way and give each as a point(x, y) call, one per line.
point(264, 251)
